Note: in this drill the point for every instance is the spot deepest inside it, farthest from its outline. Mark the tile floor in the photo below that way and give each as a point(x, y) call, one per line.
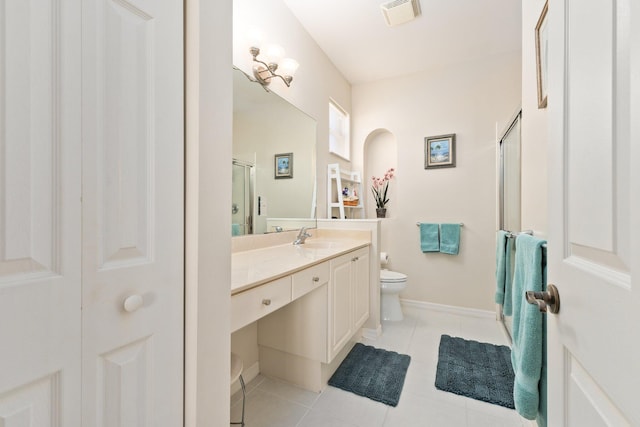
point(271, 403)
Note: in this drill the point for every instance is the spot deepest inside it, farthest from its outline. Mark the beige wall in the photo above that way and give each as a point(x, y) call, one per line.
point(471, 100)
point(534, 130)
point(316, 81)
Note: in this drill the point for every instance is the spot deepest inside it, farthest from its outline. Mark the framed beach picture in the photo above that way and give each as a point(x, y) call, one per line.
point(284, 165)
point(440, 151)
point(542, 53)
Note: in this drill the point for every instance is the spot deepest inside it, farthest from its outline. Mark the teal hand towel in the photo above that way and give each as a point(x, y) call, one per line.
point(450, 238)
point(429, 237)
point(501, 272)
point(527, 349)
point(235, 229)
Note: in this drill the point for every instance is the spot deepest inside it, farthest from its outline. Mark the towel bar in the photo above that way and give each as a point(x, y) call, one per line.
point(511, 235)
point(418, 224)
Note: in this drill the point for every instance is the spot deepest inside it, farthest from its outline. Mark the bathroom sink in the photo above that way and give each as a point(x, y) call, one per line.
point(320, 244)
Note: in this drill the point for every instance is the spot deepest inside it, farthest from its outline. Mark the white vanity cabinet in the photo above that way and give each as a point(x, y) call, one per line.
point(305, 341)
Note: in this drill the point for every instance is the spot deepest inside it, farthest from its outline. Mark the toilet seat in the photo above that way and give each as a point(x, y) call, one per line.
point(392, 276)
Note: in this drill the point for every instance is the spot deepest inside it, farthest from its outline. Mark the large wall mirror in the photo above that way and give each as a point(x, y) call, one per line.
point(274, 173)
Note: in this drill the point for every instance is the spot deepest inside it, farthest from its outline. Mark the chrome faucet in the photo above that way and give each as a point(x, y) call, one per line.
point(302, 236)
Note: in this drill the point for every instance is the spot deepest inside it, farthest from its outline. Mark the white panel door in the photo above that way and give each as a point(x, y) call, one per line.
point(594, 233)
point(40, 213)
point(132, 299)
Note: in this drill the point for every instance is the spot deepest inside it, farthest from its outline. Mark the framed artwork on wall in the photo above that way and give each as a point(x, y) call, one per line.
point(542, 56)
point(440, 151)
point(283, 166)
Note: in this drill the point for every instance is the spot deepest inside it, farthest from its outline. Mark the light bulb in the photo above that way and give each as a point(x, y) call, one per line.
point(288, 67)
point(255, 38)
point(273, 54)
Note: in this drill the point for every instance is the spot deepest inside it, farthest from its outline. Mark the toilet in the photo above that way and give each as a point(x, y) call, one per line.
point(391, 284)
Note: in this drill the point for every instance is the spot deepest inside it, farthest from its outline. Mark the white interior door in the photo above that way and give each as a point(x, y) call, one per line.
point(132, 338)
point(594, 249)
point(40, 213)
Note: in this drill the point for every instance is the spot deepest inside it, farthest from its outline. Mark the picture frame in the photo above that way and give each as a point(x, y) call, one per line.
point(283, 166)
point(542, 56)
point(440, 151)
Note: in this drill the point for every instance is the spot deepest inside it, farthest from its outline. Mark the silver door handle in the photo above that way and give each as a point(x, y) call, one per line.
point(549, 298)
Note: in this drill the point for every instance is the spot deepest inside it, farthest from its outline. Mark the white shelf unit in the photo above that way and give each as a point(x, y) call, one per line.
point(337, 180)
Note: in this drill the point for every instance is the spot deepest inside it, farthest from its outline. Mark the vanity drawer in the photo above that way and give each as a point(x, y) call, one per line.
point(309, 279)
point(251, 305)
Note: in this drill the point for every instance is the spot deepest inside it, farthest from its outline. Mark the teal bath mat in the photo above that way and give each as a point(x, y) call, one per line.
point(372, 372)
point(477, 370)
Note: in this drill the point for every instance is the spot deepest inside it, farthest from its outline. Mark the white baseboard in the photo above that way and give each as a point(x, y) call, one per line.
point(463, 311)
point(372, 334)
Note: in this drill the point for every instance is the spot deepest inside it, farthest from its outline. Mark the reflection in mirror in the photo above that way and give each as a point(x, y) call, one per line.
point(243, 182)
point(266, 126)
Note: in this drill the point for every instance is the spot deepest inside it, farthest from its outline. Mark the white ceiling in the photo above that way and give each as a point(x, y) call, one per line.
point(354, 35)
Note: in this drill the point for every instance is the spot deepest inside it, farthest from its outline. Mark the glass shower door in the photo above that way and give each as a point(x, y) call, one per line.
point(242, 198)
point(510, 191)
point(510, 177)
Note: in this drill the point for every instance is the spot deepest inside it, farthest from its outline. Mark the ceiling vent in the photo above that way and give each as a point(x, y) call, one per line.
point(398, 12)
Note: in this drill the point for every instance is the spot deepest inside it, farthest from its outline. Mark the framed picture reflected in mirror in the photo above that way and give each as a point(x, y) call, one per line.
point(283, 165)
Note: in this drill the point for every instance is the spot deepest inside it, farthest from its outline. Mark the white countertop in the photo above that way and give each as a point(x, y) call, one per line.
point(254, 267)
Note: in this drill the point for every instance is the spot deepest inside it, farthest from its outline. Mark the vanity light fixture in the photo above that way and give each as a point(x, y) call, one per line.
point(265, 70)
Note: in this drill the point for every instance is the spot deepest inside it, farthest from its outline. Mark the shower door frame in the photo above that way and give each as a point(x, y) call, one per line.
point(517, 118)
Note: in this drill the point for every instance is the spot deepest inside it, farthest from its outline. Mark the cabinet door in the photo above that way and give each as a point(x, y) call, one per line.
point(360, 287)
point(340, 308)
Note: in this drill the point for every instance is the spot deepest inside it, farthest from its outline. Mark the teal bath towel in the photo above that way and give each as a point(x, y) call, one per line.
point(507, 307)
point(429, 237)
point(235, 229)
point(450, 238)
point(501, 272)
point(528, 333)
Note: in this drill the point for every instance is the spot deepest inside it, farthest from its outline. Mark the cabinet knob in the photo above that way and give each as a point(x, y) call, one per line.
point(266, 302)
point(316, 279)
point(354, 259)
point(132, 303)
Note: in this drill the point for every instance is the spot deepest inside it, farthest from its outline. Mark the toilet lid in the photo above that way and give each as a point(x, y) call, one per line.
point(392, 276)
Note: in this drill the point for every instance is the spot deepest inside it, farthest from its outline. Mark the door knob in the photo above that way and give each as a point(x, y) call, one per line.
point(549, 298)
point(132, 303)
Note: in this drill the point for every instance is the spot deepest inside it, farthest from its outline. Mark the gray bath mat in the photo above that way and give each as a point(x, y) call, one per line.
point(372, 372)
point(477, 370)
